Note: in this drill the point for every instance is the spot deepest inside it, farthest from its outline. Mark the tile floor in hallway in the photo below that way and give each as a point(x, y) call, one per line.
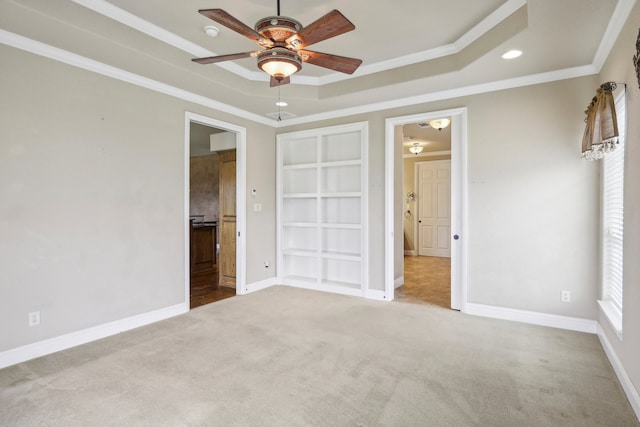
point(427, 280)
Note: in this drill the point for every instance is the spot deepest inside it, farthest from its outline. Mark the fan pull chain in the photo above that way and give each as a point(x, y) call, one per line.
point(279, 103)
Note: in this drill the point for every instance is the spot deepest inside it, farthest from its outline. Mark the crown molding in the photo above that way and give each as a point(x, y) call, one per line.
point(617, 21)
point(51, 52)
point(117, 14)
point(567, 73)
point(69, 58)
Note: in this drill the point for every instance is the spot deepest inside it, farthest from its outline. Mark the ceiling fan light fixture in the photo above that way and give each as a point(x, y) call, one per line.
point(279, 62)
point(439, 123)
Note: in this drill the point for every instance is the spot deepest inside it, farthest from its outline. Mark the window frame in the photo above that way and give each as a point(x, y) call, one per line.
point(612, 224)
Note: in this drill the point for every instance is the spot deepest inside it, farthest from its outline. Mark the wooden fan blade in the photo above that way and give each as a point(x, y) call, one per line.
point(276, 82)
point(220, 58)
point(223, 18)
point(333, 62)
point(330, 25)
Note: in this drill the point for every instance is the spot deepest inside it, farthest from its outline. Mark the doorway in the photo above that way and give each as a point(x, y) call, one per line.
point(396, 208)
point(214, 200)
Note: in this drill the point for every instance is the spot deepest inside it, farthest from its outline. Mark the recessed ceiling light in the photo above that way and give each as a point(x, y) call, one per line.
point(211, 31)
point(512, 54)
point(281, 104)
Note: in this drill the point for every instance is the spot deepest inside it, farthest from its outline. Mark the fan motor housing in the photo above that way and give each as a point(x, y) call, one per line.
point(277, 28)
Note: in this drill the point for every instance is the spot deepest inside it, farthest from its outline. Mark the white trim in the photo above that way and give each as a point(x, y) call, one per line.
point(613, 317)
point(427, 154)
point(66, 57)
point(63, 342)
point(241, 179)
point(616, 23)
point(618, 367)
point(47, 51)
point(122, 16)
point(410, 253)
point(532, 317)
point(262, 284)
point(398, 282)
point(533, 79)
point(376, 295)
point(459, 199)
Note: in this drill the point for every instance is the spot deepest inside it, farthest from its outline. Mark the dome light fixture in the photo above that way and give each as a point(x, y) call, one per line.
point(416, 148)
point(439, 123)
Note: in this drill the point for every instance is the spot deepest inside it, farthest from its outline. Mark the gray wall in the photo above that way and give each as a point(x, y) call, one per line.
point(92, 198)
point(618, 68)
point(532, 201)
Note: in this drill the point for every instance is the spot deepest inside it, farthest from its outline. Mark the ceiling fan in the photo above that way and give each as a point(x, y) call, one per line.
point(284, 40)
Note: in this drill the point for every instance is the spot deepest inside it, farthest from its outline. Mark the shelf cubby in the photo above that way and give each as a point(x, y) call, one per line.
point(322, 223)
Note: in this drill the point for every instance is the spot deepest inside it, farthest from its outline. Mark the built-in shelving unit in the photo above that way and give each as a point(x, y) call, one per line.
point(322, 210)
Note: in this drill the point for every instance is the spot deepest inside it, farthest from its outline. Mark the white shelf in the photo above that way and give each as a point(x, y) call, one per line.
point(322, 209)
point(300, 166)
point(345, 256)
point(300, 252)
point(300, 196)
point(341, 226)
point(339, 163)
point(343, 194)
point(300, 224)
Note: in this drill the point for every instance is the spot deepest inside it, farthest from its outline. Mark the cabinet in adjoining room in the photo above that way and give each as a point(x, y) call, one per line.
point(227, 193)
point(322, 209)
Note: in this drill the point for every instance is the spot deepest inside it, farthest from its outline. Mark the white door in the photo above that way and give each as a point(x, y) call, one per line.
point(434, 208)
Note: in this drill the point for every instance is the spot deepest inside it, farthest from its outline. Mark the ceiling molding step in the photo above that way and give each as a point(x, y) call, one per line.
point(60, 55)
point(617, 21)
point(51, 52)
point(117, 14)
point(551, 76)
point(122, 16)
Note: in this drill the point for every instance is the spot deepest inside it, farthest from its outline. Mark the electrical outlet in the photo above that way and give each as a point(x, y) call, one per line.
point(566, 296)
point(34, 318)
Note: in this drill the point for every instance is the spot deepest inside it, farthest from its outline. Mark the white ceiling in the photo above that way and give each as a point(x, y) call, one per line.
point(412, 50)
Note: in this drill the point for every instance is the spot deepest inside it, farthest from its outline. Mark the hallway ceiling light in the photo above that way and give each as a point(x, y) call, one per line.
point(416, 148)
point(439, 123)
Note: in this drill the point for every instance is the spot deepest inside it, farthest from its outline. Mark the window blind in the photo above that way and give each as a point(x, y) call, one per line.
point(613, 221)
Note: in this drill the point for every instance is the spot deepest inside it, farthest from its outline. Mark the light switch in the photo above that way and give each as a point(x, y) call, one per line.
point(257, 207)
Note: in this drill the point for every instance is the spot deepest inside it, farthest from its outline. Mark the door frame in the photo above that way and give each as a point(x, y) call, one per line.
point(459, 197)
point(241, 208)
point(416, 231)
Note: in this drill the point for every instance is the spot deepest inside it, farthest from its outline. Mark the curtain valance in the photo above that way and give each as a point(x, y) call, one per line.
point(601, 131)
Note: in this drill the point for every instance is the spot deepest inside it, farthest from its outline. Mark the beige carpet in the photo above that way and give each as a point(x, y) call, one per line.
point(292, 357)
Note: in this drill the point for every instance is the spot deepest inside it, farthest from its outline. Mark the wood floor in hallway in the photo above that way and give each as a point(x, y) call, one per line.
point(427, 280)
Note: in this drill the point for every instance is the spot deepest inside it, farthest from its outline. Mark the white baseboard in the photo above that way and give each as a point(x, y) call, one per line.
point(63, 342)
point(532, 317)
point(398, 282)
point(411, 253)
point(262, 284)
point(376, 295)
point(625, 381)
